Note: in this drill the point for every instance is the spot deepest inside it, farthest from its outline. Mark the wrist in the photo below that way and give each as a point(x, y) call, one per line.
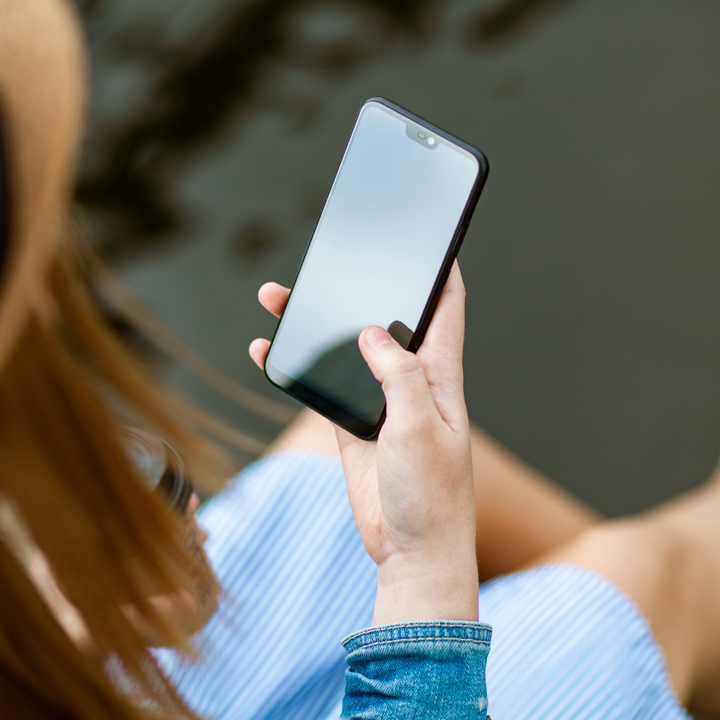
point(415, 589)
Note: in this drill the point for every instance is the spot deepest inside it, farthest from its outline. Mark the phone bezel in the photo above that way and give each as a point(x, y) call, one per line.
point(321, 403)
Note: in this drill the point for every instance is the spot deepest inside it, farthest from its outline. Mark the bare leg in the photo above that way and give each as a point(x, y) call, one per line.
point(307, 431)
point(668, 561)
point(521, 514)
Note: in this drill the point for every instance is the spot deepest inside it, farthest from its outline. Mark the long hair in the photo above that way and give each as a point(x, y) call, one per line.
point(67, 388)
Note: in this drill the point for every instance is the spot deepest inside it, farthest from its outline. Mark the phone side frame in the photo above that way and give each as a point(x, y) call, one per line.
point(463, 224)
point(303, 394)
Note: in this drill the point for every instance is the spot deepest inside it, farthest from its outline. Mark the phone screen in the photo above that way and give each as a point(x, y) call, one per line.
point(392, 214)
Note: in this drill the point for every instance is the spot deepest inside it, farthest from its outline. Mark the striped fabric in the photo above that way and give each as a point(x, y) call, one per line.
point(297, 580)
point(567, 645)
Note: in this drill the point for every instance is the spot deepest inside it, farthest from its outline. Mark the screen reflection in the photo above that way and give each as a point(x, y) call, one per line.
point(374, 258)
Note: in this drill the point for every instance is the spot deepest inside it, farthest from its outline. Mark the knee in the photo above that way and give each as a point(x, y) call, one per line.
point(664, 572)
point(646, 560)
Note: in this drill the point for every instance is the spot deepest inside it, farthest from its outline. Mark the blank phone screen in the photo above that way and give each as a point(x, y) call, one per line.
point(382, 238)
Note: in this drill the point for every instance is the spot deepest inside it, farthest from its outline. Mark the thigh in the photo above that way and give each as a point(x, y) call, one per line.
point(307, 431)
point(660, 574)
point(569, 645)
point(521, 514)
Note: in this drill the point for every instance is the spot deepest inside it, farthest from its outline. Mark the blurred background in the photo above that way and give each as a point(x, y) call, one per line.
point(592, 264)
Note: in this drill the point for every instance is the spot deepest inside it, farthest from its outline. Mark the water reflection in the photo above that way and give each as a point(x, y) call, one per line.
point(506, 19)
point(236, 59)
point(587, 222)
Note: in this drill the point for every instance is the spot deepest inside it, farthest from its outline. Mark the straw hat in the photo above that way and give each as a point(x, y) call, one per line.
point(42, 90)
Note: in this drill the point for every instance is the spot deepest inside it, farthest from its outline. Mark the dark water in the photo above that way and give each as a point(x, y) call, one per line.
point(592, 263)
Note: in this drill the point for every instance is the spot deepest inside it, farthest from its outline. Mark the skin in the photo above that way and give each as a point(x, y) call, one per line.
point(521, 515)
point(423, 541)
point(666, 560)
point(184, 609)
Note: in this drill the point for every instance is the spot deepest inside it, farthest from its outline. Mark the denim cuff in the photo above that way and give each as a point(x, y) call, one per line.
point(433, 669)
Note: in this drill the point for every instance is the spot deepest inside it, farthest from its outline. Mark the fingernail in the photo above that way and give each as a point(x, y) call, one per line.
point(194, 503)
point(375, 337)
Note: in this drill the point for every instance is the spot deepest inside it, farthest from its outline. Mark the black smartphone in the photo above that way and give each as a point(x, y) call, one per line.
point(381, 252)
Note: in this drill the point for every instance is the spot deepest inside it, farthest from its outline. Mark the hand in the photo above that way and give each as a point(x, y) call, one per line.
point(189, 610)
point(412, 491)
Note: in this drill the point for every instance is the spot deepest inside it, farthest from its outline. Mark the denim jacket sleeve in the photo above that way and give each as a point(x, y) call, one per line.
point(417, 671)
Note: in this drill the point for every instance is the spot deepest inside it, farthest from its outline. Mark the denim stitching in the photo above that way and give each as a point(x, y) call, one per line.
point(419, 639)
point(380, 628)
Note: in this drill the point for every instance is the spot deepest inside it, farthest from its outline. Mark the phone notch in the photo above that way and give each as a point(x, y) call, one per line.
point(422, 136)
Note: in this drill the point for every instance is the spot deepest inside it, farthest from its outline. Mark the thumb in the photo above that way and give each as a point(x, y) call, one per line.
point(401, 373)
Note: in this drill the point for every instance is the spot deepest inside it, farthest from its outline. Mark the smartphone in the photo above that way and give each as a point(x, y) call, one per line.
point(381, 252)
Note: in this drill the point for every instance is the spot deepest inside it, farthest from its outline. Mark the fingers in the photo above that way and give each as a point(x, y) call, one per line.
point(179, 607)
point(447, 328)
point(440, 354)
point(401, 374)
point(441, 351)
point(258, 351)
point(273, 297)
point(192, 508)
point(193, 503)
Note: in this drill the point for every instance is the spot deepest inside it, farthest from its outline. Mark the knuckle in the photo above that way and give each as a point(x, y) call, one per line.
point(404, 363)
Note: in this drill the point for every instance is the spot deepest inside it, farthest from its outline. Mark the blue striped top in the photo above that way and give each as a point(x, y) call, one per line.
point(567, 644)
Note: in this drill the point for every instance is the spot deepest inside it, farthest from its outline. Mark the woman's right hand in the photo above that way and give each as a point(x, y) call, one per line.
point(412, 491)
